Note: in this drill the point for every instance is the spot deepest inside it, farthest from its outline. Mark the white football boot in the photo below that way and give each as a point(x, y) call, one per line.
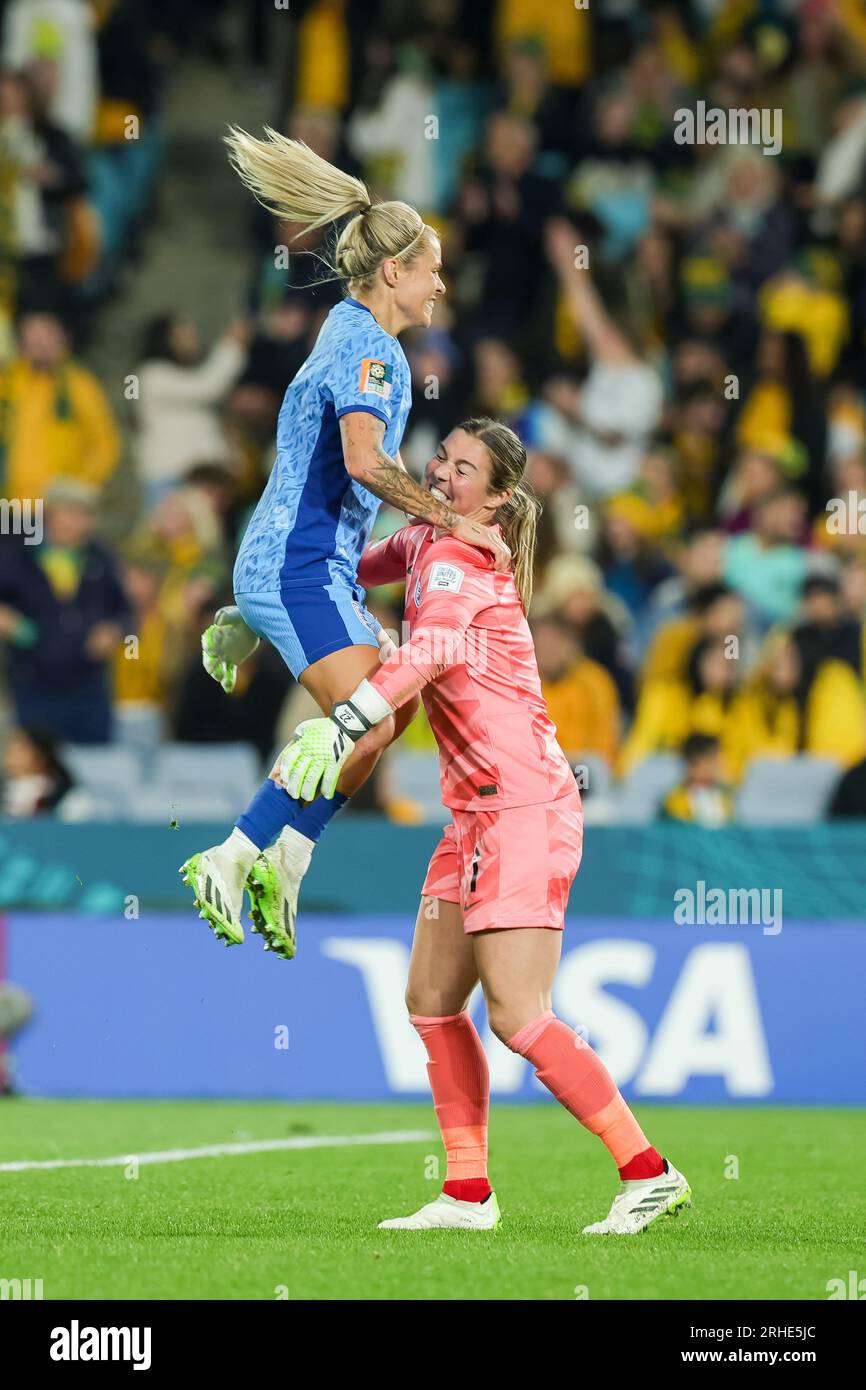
point(640, 1200)
point(218, 877)
point(274, 884)
point(448, 1213)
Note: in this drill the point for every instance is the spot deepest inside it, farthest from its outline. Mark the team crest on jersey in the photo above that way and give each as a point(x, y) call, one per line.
point(446, 577)
point(375, 378)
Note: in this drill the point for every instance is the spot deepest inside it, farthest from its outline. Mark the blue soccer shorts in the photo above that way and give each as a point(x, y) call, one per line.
point(307, 623)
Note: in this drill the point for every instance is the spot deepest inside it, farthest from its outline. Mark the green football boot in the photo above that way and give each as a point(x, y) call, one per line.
point(217, 894)
point(274, 883)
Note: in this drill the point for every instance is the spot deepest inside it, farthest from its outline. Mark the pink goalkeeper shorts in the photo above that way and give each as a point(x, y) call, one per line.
point(509, 868)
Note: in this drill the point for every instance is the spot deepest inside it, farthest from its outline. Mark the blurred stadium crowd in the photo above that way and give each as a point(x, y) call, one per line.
point(677, 331)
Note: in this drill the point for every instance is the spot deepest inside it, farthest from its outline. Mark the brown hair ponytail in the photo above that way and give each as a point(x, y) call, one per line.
point(518, 517)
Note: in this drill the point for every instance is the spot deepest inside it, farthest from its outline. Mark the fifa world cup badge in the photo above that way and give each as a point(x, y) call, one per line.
point(375, 378)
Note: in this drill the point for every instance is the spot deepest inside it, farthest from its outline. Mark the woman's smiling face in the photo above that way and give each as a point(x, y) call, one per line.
point(460, 475)
point(420, 285)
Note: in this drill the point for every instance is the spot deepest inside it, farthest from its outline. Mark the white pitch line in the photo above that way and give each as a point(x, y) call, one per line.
point(254, 1146)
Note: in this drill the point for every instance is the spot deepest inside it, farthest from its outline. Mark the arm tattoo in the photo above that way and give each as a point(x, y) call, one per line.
point(385, 478)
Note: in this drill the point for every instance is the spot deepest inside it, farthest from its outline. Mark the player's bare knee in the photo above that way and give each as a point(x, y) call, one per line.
point(501, 1020)
point(427, 1003)
point(421, 1001)
point(507, 1019)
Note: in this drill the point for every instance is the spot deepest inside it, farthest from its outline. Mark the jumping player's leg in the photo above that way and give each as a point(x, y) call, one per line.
point(274, 879)
point(328, 680)
point(249, 858)
point(442, 976)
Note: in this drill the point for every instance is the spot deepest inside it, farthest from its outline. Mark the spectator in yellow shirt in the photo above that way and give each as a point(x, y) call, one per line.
point(563, 30)
point(713, 610)
point(581, 696)
point(183, 535)
point(141, 667)
point(793, 706)
point(807, 300)
point(55, 420)
point(702, 797)
point(784, 412)
point(668, 711)
point(654, 503)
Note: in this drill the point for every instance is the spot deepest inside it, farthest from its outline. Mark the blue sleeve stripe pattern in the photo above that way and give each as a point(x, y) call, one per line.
point(363, 410)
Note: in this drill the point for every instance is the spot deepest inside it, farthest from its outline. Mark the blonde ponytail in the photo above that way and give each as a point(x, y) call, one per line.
point(297, 185)
point(518, 517)
point(292, 181)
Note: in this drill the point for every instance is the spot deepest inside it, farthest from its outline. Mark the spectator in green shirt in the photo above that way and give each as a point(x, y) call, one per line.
point(767, 565)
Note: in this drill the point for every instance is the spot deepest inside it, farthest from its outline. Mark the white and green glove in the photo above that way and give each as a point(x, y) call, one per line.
point(225, 645)
point(311, 764)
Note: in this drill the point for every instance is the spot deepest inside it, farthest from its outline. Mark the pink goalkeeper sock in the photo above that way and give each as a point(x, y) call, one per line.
point(460, 1082)
point(581, 1082)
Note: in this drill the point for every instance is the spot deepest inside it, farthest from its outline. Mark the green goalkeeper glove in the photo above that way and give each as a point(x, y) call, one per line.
point(311, 764)
point(225, 645)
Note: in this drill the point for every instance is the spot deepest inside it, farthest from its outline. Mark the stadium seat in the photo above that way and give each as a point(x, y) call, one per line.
point(105, 767)
point(196, 767)
point(415, 777)
point(595, 781)
point(160, 806)
point(786, 791)
point(637, 802)
point(139, 727)
point(80, 806)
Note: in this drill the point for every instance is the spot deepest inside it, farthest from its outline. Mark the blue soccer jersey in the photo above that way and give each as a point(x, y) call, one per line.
point(313, 521)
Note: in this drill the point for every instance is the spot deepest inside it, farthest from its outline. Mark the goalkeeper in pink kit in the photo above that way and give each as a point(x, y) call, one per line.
point(494, 898)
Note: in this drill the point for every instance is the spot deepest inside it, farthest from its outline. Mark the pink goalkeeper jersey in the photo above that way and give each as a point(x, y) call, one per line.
point(471, 656)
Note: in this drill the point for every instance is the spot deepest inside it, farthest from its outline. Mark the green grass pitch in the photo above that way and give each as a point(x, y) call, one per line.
point(302, 1223)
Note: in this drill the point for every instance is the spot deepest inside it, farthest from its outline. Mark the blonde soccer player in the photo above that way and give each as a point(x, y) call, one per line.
point(295, 577)
point(501, 874)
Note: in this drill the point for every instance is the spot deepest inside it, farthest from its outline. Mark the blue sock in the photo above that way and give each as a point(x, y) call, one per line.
point(272, 809)
point(312, 819)
point(269, 811)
